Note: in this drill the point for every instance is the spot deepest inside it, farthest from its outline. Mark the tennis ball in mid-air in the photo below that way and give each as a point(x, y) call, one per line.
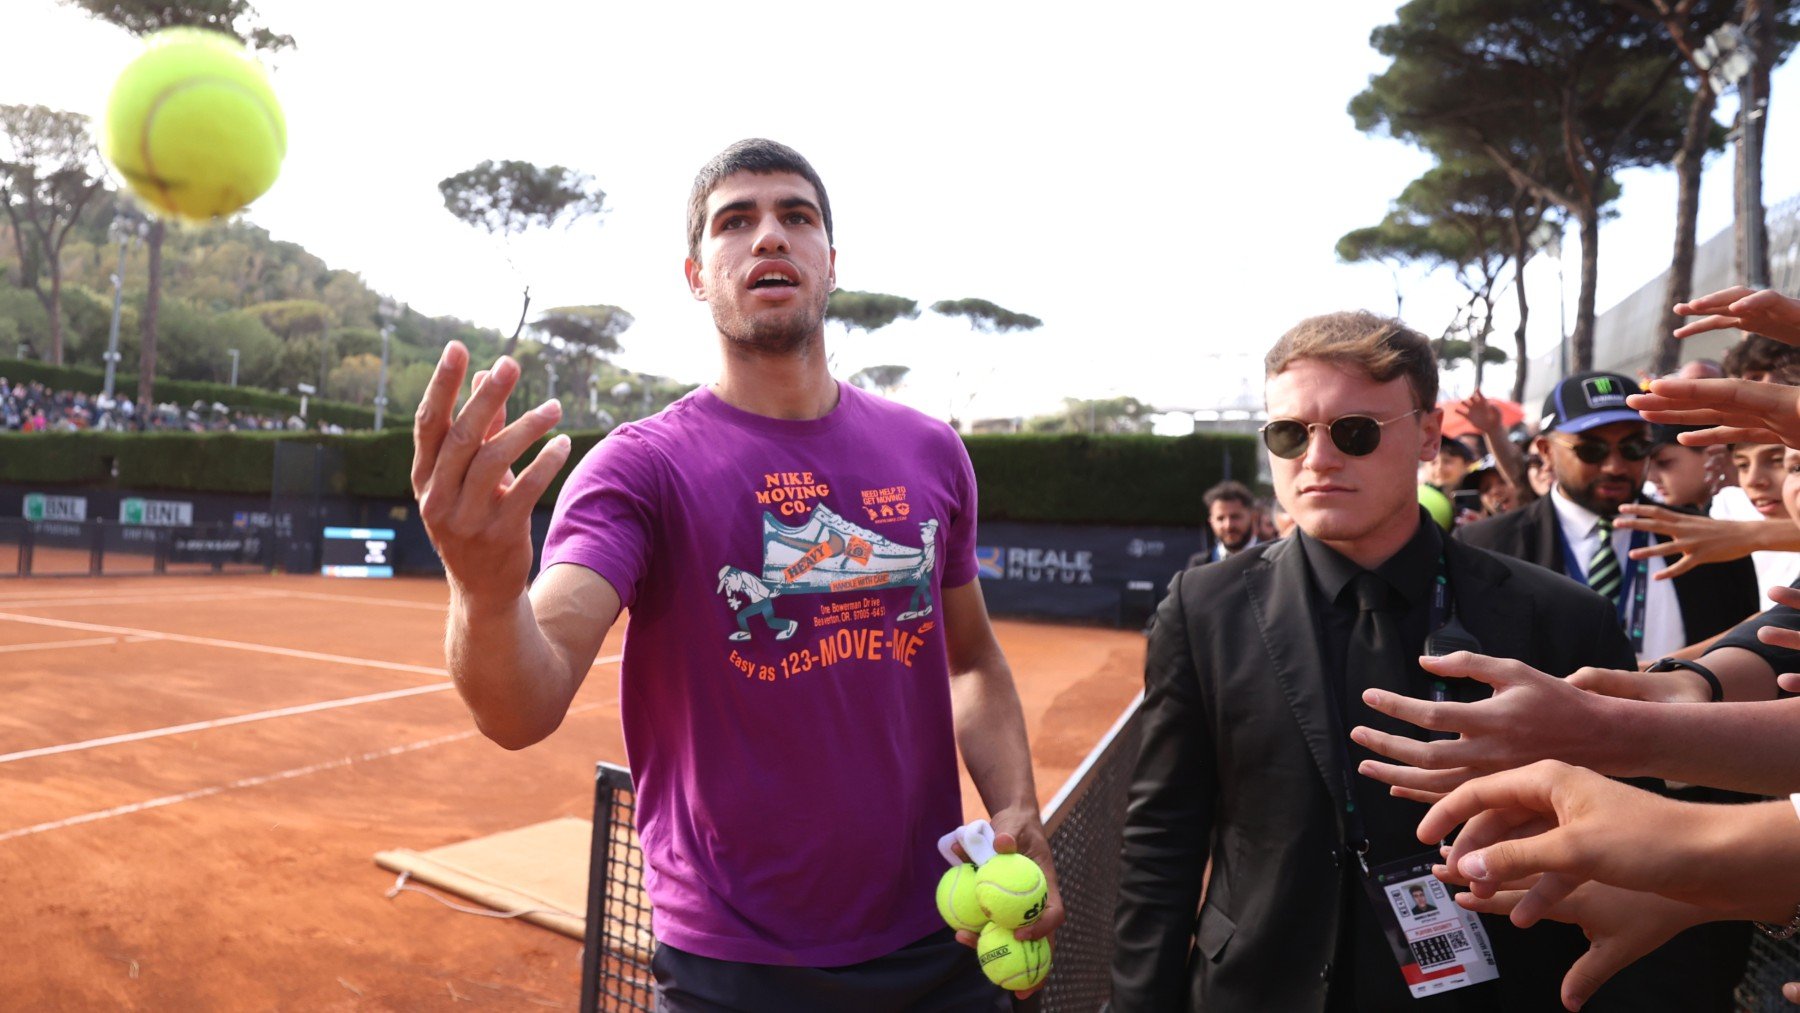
point(1011, 890)
point(956, 899)
point(193, 125)
point(1015, 964)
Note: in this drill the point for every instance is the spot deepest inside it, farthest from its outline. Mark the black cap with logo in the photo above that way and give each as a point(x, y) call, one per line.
point(1587, 400)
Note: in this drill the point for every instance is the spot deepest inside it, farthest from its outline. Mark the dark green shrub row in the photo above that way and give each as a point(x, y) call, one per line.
point(1077, 478)
point(185, 392)
point(188, 462)
point(1041, 478)
point(376, 465)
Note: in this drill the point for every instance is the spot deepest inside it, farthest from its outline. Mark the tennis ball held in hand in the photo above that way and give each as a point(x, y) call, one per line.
point(1011, 889)
point(1015, 964)
point(193, 125)
point(956, 899)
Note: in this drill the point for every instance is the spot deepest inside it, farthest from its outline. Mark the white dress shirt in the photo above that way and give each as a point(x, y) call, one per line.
point(1220, 553)
point(1664, 632)
point(1773, 568)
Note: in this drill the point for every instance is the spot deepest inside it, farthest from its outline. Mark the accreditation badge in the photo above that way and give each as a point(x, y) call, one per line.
point(1440, 946)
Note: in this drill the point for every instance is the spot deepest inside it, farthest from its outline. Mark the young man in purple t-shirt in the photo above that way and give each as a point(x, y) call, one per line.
point(808, 644)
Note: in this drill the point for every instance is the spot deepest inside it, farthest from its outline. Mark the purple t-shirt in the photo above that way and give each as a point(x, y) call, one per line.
point(785, 687)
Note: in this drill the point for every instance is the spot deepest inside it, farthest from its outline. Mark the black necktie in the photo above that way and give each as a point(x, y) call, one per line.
point(1372, 658)
point(1374, 654)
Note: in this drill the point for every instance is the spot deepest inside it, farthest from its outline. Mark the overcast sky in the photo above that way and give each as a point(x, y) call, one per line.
point(1163, 189)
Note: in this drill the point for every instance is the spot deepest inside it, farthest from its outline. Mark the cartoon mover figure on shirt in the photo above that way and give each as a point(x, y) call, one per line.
point(827, 554)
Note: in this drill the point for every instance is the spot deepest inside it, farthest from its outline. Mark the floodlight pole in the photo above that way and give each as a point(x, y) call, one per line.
point(381, 400)
point(388, 310)
point(1729, 57)
point(1756, 260)
point(122, 232)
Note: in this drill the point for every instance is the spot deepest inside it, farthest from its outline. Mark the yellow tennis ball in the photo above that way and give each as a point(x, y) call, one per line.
point(1437, 505)
point(1015, 964)
point(193, 125)
point(956, 899)
point(1011, 890)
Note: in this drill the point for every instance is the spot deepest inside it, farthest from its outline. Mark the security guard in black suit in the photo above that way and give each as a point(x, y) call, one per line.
point(1253, 677)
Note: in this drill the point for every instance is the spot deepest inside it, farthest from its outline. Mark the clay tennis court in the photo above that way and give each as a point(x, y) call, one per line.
point(196, 772)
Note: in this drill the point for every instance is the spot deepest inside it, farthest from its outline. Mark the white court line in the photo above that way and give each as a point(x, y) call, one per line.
point(115, 592)
point(51, 645)
point(240, 719)
point(39, 593)
point(247, 782)
point(140, 599)
point(235, 645)
point(322, 596)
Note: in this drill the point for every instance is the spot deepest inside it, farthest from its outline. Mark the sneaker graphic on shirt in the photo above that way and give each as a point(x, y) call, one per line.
point(824, 555)
point(829, 553)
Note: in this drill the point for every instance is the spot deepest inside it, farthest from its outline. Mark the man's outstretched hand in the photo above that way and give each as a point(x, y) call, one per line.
point(476, 510)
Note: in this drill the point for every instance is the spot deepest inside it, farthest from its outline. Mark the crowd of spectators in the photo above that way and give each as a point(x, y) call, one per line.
point(32, 407)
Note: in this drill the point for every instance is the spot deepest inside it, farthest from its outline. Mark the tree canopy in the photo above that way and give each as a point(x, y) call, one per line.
point(49, 171)
point(986, 317)
point(506, 198)
point(885, 379)
point(869, 311)
point(237, 18)
point(1560, 95)
point(592, 327)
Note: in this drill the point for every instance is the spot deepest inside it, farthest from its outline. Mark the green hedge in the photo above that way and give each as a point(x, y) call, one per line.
point(1082, 479)
point(186, 462)
point(185, 392)
point(1040, 478)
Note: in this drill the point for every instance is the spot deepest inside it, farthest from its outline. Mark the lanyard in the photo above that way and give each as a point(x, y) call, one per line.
point(1630, 604)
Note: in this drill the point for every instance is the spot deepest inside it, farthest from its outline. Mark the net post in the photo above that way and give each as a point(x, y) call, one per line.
point(592, 935)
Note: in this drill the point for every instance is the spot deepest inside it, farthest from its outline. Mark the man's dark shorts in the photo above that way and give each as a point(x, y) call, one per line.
point(936, 974)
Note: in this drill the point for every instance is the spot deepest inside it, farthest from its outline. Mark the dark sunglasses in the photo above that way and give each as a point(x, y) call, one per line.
point(1596, 452)
point(1356, 435)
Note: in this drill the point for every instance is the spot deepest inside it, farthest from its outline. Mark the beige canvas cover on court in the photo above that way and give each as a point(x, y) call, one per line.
point(542, 866)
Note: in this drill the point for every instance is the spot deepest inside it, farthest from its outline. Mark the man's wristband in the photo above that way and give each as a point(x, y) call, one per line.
point(1712, 681)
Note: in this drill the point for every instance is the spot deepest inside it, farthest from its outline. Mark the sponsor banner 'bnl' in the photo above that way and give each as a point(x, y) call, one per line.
point(156, 512)
point(39, 507)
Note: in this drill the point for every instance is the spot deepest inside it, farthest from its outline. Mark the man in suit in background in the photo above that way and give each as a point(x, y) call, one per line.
point(1599, 451)
point(1254, 675)
point(1231, 517)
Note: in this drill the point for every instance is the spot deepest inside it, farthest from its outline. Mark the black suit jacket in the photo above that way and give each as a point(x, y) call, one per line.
point(1238, 767)
point(1713, 598)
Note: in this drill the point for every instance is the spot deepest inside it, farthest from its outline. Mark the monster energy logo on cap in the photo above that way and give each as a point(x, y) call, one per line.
point(1603, 392)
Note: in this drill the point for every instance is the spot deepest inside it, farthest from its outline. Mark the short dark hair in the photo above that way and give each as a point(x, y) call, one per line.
point(1383, 348)
point(1231, 490)
point(757, 155)
point(1759, 354)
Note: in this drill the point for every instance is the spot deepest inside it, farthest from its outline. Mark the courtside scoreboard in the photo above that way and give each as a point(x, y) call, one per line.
point(358, 552)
